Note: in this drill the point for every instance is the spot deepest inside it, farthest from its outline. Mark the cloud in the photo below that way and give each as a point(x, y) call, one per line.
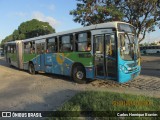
point(41, 17)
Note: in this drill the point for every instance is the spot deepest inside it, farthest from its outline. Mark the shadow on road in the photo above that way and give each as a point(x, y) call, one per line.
point(151, 67)
point(149, 72)
point(49, 102)
point(3, 62)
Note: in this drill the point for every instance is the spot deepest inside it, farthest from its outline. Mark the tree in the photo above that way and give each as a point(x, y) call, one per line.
point(143, 14)
point(33, 28)
point(8, 38)
point(29, 29)
point(153, 44)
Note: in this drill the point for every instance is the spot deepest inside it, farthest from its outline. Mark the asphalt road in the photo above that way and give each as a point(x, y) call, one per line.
point(21, 91)
point(151, 66)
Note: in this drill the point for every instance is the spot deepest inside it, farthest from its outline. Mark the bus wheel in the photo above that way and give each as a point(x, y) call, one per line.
point(31, 69)
point(79, 74)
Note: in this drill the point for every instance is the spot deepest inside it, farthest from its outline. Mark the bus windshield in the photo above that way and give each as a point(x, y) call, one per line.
point(128, 46)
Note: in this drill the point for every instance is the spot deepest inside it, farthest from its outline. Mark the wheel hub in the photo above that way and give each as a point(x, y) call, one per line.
point(80, 75)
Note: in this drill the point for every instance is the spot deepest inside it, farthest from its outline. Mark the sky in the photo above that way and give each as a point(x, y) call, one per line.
point(56, 12)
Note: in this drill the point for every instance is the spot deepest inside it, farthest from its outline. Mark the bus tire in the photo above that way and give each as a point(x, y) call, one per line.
point(158, 52)
point(31, 69)
point(79, 74)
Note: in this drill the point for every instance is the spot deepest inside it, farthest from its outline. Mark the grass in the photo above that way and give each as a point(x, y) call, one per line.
point(108, 101)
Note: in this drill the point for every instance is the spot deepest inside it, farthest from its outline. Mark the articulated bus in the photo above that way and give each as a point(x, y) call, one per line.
point(102, 51)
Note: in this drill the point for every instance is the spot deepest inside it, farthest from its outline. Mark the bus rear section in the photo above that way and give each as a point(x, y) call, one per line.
point(13, 53)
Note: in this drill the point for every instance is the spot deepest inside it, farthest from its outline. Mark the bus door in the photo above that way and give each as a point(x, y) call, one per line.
point(105, 56)
point(40, 50)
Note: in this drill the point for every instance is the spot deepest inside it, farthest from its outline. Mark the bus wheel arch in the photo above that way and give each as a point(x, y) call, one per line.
point(31, 68)
point(78, 73)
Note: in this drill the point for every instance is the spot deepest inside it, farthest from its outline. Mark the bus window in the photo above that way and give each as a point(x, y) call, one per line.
point(33, 47)
point(52, 45)
point(8, 49)
point(110, 45)
point(11, 49)
point(158, 47)
point(84, 41)
point(66, 43)
point(126, 46)
point(99, 47)
point(40, 48)
point(28, 47)
point(14, 49)
point(43, 47)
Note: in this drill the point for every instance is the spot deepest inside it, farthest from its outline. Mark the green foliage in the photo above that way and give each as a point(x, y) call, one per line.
point(153, 44)
point(8, 38)
point(29, 29)
point(108, 101)
point(104, 101)
point(143, 14)
point(96, 11)
point(147, 44)
point(33, 28)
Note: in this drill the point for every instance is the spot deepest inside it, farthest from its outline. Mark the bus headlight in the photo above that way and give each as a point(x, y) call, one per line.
point(129, 69)
point(123, 69)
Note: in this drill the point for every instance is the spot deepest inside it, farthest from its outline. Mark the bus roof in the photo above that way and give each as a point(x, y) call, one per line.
point(13, 42)
point(91, 27)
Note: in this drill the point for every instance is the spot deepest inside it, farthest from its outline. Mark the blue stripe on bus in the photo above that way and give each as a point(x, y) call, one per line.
point(52, 66)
